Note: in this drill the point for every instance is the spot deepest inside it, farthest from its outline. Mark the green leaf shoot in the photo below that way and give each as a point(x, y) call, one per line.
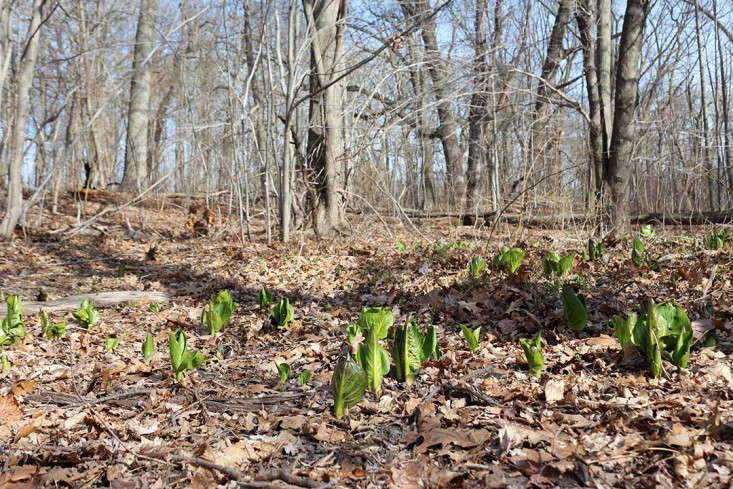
point(148, 348)
point(221, 307)
point(264, 298)
point(472, 337)
point(348, 384)
point(533, 353)
point(576, 315)
point(283, 369)
point(86, 315)
point(304, 376)
point(282, 313)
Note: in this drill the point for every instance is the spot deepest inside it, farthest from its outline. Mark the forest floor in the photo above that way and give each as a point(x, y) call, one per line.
point(73, 414)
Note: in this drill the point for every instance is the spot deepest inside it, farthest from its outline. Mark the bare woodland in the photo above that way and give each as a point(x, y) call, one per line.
point(528, 203)
point(307, 111)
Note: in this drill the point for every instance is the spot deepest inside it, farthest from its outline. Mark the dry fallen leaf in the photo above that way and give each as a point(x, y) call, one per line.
point(10, 411)
point(554, 390)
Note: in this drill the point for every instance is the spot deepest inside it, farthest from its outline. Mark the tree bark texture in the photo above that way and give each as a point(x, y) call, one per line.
point(618, 174)
point(136, 151)
point(325, 132)
point(23, 84)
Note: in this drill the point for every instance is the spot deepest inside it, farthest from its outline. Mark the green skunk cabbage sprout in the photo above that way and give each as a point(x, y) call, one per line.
point(50, 330)
point(348, 383)
point(552, 264)
point(508, 259)
point(283, 369)
point(379, 317)
point(11, 327)
point(472, 337)
point(181, 358)
point(373, 359)
point(86, 315)
point(716, 240)
point(595, 249)
point(533, 352)
point(304, 376)
point(111, 343)
point(638, 252)
point(264, 298)
point(573, 307)
point(282, 313)
point(476, 267)
point(148, 348)
point(221, 307)
point(663, 332)
point(411, 347)
point(647, 231)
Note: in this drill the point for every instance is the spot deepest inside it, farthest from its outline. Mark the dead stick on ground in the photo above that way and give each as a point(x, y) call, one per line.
point(432, 393)
point(265, 479)
point(285, 476)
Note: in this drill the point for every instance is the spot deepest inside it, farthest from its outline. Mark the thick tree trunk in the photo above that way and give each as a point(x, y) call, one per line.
point(325, 138)
point(135, 177)
point(23, 82)
point(622, 140)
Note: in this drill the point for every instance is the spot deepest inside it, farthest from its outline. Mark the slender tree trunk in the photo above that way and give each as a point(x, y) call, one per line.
point(286, 196)
point(704, 106)
point(725, 109)
point(622, 140)
point(5, 55)
point(477, 117)
point(439, 70)
point(23, 84)
point(417, 79)
point(586, 19)
point(543, 137)
point(135, 177)
point(604, 63)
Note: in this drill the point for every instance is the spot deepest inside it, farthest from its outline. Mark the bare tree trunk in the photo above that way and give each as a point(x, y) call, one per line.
point(325, 138)
point(542, 139)
point(23, 85)
point(438, 70)
point(136, 152)
point(477, 117)
point(604, 55)
point(622, 140)
point(586, 18)
point(286, 196)
point(417, 79)
point(725, 109)
point(703, 102)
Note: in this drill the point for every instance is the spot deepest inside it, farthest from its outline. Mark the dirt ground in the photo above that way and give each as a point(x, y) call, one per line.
point(73, 414)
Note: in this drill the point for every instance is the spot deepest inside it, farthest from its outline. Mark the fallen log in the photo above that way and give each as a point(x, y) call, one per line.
point(685, 218)
point(100, 299)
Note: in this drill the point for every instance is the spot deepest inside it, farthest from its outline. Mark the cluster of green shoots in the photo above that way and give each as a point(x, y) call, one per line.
point(281, 313)
point(409, 347)
point(716, 240)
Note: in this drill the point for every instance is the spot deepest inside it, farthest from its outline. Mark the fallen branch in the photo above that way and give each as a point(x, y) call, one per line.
point(263, 479)
point(100, 299)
